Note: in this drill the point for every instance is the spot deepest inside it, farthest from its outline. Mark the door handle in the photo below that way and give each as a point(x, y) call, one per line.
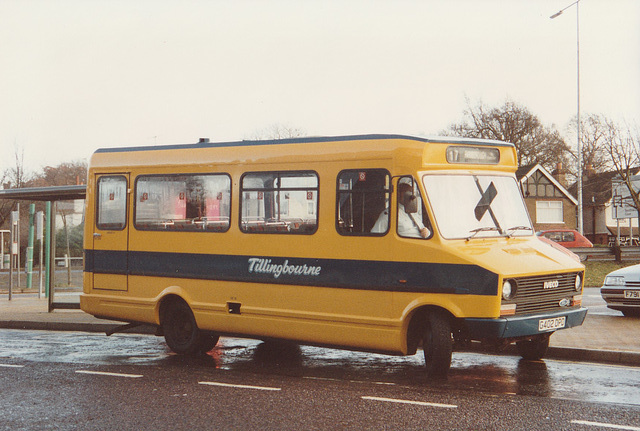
point(97, 235)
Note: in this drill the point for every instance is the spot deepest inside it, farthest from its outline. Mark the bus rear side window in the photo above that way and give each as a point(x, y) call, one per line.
point(363, 195)
point(112, 203)
point(279, 202)
point(194, 202)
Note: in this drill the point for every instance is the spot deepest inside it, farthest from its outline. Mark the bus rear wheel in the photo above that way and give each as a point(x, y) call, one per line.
point(181, 331)
point(534, 348)
point(437, 344)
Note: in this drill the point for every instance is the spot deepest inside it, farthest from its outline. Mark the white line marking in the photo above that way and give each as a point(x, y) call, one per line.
point(321, 378)
point(605, 425)
point(11, 366)
point(418, 403)
point(102, 373)
point(350, 381)
point(228, 385)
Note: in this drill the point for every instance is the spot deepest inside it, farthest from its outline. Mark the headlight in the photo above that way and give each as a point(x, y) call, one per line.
point(614, 280)
point(578, 285)
point(509, 288)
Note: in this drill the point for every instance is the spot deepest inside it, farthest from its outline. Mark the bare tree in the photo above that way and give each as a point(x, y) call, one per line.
point(64, 174)
point(622, 145)
point(595, 138)
point(513, 123)
point(14, 177)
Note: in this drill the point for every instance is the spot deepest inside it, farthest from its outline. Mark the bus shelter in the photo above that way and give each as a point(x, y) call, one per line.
point(52, 195)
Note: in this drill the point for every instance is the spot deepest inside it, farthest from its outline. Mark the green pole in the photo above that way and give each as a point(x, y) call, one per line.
point(47, 249)
point(32, 216)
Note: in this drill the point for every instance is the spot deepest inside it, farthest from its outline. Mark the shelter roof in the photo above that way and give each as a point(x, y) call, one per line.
point(52, 193)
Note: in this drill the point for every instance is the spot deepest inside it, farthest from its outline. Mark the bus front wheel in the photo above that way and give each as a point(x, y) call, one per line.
point(534, 348)
point(181, 331)
point(437, 344)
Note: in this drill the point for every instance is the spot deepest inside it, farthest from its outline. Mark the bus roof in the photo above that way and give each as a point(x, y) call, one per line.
point(205, 143)
point(301, 150)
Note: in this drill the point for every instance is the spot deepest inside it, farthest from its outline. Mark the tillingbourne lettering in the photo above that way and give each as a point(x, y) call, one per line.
point(259, 265)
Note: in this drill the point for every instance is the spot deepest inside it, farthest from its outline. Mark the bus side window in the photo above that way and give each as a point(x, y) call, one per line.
point(413, 221)
point(112, 203)
point(189, 202)
point(362, 198)
point(279, 202)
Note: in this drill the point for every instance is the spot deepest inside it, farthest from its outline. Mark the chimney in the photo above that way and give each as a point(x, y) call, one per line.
point(589, 171)
point(560, 175)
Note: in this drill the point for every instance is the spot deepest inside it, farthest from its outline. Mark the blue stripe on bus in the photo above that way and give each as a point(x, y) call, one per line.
point(468, 141)
point(340, 273)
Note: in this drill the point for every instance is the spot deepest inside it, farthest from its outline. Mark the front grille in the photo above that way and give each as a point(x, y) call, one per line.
point(532, 297)
point(616, 295)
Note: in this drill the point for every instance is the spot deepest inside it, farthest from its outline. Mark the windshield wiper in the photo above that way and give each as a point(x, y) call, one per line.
point(474, 232)
point(510, 234)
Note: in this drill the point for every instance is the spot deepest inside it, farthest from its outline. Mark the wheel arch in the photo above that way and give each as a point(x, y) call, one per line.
point(415, 321)
point(167, 297)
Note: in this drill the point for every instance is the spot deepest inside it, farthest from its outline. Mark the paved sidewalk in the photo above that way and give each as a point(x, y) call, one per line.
point(610, 339)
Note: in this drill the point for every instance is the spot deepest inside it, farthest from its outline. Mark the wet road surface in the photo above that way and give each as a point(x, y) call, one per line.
point(470, 371)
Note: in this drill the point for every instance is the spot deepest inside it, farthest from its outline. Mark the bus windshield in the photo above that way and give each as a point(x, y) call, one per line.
point(469, 206)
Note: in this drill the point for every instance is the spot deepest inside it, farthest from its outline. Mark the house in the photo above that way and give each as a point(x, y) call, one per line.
point(597, 210)
point(550, 204)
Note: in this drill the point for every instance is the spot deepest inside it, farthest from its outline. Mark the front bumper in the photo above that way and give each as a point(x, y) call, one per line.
point(615, 298)
point(520, 326)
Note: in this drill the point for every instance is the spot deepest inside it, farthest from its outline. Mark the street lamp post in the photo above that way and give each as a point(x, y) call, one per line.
point(555, 15)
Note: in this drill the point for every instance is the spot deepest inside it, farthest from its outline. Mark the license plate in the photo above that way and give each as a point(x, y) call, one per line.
point(632, 294)
point(550, 324)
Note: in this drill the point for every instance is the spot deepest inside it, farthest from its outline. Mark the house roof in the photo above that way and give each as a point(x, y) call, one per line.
point(524, 172)
point(596, 188)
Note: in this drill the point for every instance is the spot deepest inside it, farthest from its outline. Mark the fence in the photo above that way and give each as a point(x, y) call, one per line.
point(628, 254)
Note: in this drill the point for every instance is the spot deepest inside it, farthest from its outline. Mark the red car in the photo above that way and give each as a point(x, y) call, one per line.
point(566, 237)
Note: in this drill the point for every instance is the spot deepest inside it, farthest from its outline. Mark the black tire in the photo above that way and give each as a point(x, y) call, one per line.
point(437, 344)
point(181, 331)
point(535, 348)
point(208, 341)
point(631, 312)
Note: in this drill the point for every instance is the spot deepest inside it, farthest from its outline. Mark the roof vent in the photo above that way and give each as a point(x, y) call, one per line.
point(203, 141)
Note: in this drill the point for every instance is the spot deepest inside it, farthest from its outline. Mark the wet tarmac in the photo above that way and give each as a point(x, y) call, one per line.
point(490, 374)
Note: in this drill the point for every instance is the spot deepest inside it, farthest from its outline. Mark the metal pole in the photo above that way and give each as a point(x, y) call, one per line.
point(52, 255)
point(47, 249)
point(11, 261)
point(32, 216)
point(580, 206)
point(39, 234)
point(15, 249)
point(18, 239)
point(579, 149)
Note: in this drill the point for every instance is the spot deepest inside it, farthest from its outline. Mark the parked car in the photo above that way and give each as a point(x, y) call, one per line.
point(621, 290)
point(566, 237)
point(559, 247)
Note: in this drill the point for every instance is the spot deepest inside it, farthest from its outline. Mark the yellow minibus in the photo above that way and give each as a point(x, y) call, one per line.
point(382, 243)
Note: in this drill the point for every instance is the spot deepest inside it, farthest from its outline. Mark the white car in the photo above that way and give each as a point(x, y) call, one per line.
point(621, 290)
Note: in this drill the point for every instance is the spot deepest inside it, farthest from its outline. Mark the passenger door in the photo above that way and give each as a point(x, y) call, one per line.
point(111, 232)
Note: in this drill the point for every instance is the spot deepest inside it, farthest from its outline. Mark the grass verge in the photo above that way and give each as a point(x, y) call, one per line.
point(596, 271)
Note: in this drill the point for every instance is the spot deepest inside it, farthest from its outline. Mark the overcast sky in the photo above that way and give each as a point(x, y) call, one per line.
point(81, 75)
